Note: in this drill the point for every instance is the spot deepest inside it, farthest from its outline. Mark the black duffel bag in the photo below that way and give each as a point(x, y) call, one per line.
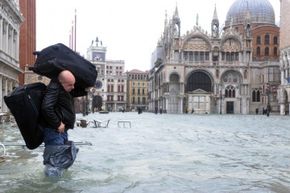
point(24, 104)
point(53, 59)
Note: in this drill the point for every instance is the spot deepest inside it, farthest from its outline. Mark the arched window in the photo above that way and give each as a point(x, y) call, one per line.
point(258, 51)
point(258, 40)
point(267, 51)
point(267, 39)
point(174, 78)
point(256, 95)
point(230, 92)
point(275, 40)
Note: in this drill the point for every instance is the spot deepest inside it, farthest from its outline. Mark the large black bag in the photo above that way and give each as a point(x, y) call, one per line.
point(53, 59)
point(24, 104)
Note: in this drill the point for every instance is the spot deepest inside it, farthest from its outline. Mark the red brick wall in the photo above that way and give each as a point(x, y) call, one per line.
point(284, 24)
point(27, 35)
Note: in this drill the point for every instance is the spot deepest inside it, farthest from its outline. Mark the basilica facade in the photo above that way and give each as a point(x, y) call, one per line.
point(230, 70)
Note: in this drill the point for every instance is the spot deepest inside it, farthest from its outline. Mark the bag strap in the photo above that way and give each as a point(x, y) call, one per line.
point(30, 100)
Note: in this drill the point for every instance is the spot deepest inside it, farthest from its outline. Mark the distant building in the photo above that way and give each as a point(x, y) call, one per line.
point(10, 21)
point(137, 90)
point(111, 77)
point(284, 91)
point(231, 70)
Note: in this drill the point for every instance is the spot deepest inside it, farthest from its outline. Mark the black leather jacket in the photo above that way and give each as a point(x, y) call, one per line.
point(57, 106)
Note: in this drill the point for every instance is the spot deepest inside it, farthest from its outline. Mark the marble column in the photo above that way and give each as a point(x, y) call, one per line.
point(181, 105)
point(282, 109)
point(5, 93)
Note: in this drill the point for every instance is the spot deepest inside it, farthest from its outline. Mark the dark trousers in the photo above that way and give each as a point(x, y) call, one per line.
point(52, 137)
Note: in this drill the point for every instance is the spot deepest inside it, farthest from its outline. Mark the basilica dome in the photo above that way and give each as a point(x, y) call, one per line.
point(260, 11)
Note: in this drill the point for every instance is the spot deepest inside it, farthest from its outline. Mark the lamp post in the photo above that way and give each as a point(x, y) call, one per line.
point(268, 91)
point(221, 101)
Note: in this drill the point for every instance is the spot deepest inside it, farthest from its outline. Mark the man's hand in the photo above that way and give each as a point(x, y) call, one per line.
point(61, 127)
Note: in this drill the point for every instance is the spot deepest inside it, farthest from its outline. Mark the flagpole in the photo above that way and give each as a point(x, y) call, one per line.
point(75, 37)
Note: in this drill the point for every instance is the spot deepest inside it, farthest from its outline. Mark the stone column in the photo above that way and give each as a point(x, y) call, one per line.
point(10, 86)
point(282, 109)
point(6, 41)
point(166, 103)
point(5, 93)
point(181, 105)
point(282, 77)
point(1, 32)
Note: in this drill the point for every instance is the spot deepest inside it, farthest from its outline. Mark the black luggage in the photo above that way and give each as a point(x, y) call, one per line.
point(52, 60)
point(24, 104)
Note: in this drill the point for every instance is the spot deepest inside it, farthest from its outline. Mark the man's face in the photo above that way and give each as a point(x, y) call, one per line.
point(68, 85)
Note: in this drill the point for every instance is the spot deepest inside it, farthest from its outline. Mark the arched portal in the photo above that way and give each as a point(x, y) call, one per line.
point(230, 100)
point(199, 88)
point(199, 80)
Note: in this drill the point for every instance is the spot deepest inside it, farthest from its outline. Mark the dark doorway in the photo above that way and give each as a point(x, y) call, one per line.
point(230, 107)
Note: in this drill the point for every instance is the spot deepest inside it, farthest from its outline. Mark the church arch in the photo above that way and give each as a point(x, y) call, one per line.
point(199, 80)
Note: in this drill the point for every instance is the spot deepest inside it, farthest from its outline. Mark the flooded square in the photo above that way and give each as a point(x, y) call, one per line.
point(161, 153)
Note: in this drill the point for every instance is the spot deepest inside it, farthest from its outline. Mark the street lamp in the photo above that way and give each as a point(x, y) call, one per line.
point(268, 91)
point(221, 101)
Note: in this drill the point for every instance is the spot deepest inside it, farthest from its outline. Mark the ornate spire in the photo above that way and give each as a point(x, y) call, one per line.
point(176, 11)
point(215, 24)
point(215, 17)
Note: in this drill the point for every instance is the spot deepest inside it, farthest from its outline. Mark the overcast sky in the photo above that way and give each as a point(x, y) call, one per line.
point(129, 29)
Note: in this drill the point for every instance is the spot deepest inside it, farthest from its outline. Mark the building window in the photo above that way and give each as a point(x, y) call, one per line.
point(258, 51)
point(143, 100)
point(256, 95)
point(274, 74)
point(267, 51)
point(267, 39)
point(230, 92)
point(275, 40)
point(258, 40)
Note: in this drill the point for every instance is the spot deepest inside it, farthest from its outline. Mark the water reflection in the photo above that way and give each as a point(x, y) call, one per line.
point(162, 153)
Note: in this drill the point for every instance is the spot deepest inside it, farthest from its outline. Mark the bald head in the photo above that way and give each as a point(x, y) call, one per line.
point(67, 80)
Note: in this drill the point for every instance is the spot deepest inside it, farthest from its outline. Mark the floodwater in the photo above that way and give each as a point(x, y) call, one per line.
point(161, 153)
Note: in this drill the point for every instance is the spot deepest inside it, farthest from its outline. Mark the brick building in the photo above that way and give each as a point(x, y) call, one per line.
point(284, 91)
